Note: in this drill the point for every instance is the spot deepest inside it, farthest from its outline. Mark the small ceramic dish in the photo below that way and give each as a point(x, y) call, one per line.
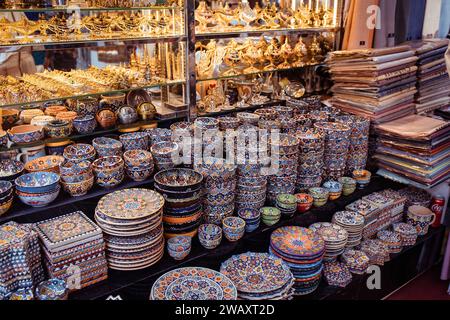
point(53, 289)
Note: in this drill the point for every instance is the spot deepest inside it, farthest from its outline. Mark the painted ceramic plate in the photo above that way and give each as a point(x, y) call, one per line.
point(257, 272)
point(348, 218)
point(131, 204)
point(330, 232)
point(193, 283)
point(297, 241)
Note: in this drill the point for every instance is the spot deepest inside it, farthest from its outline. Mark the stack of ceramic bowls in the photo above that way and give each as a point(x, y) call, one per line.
point(320, 196)
point(392, 240)
point(181, 189)
point(251, 189)
point(284, 112)
point(259, 276)
point(283, 181)
point(337, 141)
point(287, 204)
point(210, 235)
point(73, 239)
point(219, 188)
point(109, 171)
point(180, 130)
point(348, 185)
point(206, 123)
point(38, 189)
point(233, 228)
point(270, 215)
point(79, 152)
point(157, 135)
point(228, 123)
point(335, 238)
point(302, 250)
point(334, 189)
point(407, 232)
point(77, 178)
point(337, 274)
point(356, 261)
point(376, 250)
point(310, 158)
point(304, 202)
point(193, 283)
point(248, 118)
point(107, 147)
point(359, 141)
point(138, 164)
point(131, 220)
point(6, 196)
point(179, 247)
point(252, 218)
point(135, 141)
point(353, 223)
point(362, 177)
point(165, 154)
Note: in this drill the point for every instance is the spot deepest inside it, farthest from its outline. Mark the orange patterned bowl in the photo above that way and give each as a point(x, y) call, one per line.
point(46, 163)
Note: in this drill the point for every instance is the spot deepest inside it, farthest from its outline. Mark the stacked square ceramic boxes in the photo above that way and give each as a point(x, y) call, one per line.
point(73, 244)
point(384, 205)
point(370, 213)
point(337, 142)
point(397, 206)
point(20, 259)
point(310, 159)
point(131, 220)
point(284, 151)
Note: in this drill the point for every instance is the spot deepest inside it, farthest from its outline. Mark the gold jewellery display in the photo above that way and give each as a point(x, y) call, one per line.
point(223, 18)
point(216, 59)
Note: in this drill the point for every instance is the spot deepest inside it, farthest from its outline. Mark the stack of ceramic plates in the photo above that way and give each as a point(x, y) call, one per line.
point(284, 152)
point(219, 188)
point(337, 274)
point(370, 213)
point(193, 283)
point(73, 240)
point(303, 251)
point(337, 142)
point(376, 250)
point(259, 276)
point(353, 223)
point(310, 159)
point(182, 190)
point(407, 232)
point(287, 204)
point(359, 141)
point(20, 259)
point(392, 240)
point(132, 222)
point(335, 238)
point(356, 261)
point(251, 186)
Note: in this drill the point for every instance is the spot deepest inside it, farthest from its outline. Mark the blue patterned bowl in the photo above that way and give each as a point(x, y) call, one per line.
point(179, 179)
point(5, 188)
point(72, 172)
point(210, 235)
point(40, 199)
point(24, 134)
point(135, 141)
point(109, 171)
point(37, 182)
point(233, 228)
point(10, 169)
point(157, 135)
point(107, 147)
point(79, 152)
point(53, 289)
point(85, 124)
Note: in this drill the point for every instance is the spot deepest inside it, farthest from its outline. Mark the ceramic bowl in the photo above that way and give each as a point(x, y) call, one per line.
point(164, 149)
point(270, 215)
point(206, 123)
point(157, 135)
point(106, 118)
point(304, 202)
point(107, 147)
point(216, 168)
point(252, 218)
point(135, 141)
point(72, 172)
point(27, 115)
point(24, 134)
point(334, 188)
point(109, 171)
point(46, 163)
point(77, 189)
point(6, 204)
point(79, 152)
point(40, 199)
point(362, 177)
point(266, 113)
point(248, 118)
point(137, 158)
point(127, 115)
point(85, 124)
point(9, 117)
point(54, 110)
point(320, 196)
point(233, 228)
point(41, 120)
point(139, 174)
point(179, 247)
point(67, 116)
point(58, 129)
point(348, 185)
point(10, 169)
point(228, 123)
point(5, 189)
point(179, 179)
point(210, 235)
point(37, 182)
point(53, 289)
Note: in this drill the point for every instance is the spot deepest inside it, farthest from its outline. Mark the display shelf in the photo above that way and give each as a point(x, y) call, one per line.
point(30, 214)
point(97, 133)
point(93, 94)
point(127, 282)
point(94, 43)
point(74, 8)
point(245, 109)
point(256, 33)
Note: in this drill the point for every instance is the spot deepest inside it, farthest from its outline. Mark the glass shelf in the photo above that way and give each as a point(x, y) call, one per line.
point(156, 85)
point(221, 77)
point(89, 9)
point(253, 33)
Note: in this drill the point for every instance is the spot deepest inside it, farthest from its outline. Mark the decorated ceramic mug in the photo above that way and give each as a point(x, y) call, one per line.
point(421, 218)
